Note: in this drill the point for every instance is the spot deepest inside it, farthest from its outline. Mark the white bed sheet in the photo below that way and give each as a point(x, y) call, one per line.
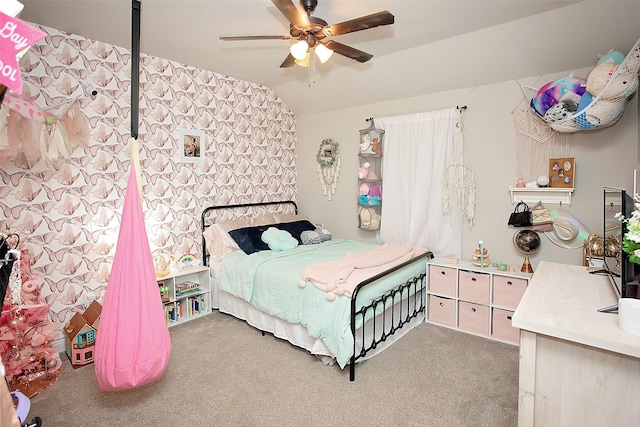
point(297, 334)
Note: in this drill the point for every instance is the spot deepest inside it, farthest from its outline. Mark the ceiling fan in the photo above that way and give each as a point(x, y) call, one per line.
point(313, 33)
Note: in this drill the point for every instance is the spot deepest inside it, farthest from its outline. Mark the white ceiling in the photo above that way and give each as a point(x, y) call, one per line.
point(431, 47)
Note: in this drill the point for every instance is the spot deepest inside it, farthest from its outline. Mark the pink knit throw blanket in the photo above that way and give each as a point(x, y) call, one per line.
point(340, 277)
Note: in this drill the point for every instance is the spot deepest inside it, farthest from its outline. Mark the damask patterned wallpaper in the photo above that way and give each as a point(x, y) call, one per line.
point(68, 213)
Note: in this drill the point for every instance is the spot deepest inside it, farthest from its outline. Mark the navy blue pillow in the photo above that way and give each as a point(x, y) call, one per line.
point(249, 239)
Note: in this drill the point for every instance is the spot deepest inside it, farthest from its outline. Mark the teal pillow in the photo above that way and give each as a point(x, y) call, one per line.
point(279, 240)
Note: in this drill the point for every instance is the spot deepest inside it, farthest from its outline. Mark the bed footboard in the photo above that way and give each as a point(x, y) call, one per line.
point(394, 310)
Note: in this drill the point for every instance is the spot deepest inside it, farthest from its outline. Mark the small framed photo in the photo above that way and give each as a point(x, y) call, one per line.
point(192, 146)
point(562, 172)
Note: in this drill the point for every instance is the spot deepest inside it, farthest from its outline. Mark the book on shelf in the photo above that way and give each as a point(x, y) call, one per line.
point(187, 288)
point(196, 305)
point(170, 313)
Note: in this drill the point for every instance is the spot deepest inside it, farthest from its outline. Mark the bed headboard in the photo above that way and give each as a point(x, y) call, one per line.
point(241, 210)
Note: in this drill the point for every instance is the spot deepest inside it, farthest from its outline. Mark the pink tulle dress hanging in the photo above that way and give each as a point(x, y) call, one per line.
point(133, 343)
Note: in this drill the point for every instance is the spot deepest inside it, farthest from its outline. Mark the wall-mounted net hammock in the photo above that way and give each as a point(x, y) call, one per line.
point(572, 104)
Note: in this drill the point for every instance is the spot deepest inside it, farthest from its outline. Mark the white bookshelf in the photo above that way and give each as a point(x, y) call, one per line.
point(186, 295)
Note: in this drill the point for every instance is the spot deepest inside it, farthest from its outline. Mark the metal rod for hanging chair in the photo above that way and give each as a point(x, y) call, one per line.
point(135, 65)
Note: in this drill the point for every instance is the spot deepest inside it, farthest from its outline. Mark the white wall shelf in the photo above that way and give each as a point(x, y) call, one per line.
point(544, 195)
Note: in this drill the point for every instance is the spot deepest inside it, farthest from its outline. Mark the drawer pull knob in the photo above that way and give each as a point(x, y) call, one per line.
point(443, 272)
point(508, 317)
point(473, 310)
point(473, 279)
point(441, 304)
point(509, 283)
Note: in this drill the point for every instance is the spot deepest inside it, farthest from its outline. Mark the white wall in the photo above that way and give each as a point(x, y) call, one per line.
point(604, 157)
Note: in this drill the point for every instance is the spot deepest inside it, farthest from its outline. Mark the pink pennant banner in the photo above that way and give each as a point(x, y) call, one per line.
point(15, 37)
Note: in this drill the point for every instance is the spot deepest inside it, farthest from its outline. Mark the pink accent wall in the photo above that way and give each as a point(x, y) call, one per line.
point(68, 213)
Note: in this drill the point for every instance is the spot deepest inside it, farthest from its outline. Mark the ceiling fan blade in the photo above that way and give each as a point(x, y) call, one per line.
point(232, 38)
point(289, 61)
point(347, 51)
point(292, 13)
point(358, 24)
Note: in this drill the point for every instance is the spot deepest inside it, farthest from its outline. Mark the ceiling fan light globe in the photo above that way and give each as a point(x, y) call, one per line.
point(323, 53)
point(299, 49)
point(304, 62)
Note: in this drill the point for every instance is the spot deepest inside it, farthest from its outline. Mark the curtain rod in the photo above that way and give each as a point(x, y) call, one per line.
point(458, 107)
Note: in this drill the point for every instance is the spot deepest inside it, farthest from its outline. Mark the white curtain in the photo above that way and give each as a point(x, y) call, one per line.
point(417, 149)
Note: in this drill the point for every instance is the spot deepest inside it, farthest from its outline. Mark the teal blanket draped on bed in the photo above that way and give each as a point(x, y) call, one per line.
point(269, 280)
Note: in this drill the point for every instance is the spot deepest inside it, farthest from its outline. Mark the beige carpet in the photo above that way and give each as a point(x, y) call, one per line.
point(223, 372)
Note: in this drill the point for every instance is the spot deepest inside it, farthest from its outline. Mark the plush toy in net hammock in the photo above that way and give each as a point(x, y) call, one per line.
point(133, 343)
point(572, 104)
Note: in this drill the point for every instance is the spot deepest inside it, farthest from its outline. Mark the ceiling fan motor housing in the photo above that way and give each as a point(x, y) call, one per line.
point(309, 5)
point(312, 33)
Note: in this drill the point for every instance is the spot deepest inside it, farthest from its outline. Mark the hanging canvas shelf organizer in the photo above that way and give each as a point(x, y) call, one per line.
point(572, 104)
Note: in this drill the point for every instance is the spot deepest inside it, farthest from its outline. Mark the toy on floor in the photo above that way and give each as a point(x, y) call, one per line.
point(23, 404)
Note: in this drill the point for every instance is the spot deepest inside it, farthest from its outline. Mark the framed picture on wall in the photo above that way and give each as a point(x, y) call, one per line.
point(562, 172)
point(192, 146)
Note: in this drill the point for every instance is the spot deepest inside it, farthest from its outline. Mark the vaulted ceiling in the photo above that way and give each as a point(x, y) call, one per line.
point(432, 46)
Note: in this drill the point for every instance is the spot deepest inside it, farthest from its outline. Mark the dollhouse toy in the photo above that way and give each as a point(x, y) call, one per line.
point(80, 335)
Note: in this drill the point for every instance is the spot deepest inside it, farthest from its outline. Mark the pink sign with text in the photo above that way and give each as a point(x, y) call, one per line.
point(15, 37)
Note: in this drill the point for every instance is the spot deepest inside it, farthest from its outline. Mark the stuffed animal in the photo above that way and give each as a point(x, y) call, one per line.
point(556, 91)
point(561, 111)
point(623, 86)
point(363, 172)
point(633, 62)
point(603, 112)
point(614, 55)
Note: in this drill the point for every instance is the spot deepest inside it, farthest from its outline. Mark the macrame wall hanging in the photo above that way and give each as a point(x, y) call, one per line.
point(328, 159)
point(459, 185)
point(536, 141)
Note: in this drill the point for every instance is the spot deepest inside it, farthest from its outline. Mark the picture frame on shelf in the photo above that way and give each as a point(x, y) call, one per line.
point(192, 146)
point(562, 172)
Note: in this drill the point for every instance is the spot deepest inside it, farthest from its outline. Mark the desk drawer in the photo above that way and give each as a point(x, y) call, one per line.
point(474, 287)
point(502, 328)
point(473, 318)
point(442, 310)
point(507, 291)
point(442, 280)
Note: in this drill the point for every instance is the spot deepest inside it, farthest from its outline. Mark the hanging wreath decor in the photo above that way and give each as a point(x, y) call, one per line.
point(327, 153)
point(328, 159)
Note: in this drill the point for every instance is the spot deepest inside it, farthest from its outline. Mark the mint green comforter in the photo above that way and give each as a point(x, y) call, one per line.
point(269, 280)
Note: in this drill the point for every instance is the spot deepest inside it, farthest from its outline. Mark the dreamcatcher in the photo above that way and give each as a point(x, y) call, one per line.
point(328, 158)
point(459, 184)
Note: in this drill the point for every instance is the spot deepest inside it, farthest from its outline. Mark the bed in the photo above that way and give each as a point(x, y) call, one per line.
point(282, 291)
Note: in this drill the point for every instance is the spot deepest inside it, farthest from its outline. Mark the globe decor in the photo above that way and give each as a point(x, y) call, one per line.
point(528, 243)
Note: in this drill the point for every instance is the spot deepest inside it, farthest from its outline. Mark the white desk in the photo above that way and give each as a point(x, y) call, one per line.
point(577, 368)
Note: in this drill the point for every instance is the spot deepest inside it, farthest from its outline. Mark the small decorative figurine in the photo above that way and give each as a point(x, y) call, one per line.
point(481, 256)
